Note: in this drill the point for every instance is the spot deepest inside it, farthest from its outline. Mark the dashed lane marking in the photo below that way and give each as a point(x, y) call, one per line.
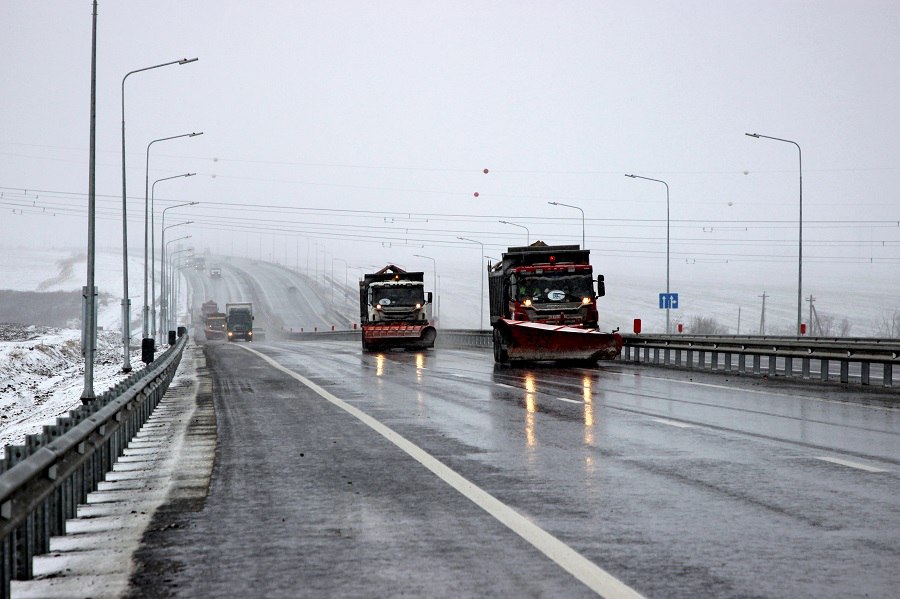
point(590, 574)
point(570, 400)
point(850, 464)
point(672, 423)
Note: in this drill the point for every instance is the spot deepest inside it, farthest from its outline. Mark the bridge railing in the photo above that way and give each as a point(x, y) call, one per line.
point(43, 481)
point(844, 360)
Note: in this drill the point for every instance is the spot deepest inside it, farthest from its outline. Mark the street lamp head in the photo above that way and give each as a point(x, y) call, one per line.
point(187, 60)
point(553, 203)
point(195, 134)
point(756, 135)
point(632, 176)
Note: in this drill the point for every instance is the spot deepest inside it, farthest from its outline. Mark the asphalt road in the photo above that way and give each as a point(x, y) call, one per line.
point(619, 478)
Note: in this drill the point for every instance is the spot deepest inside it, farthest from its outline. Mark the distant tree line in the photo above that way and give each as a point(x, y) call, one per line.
point(48, 308)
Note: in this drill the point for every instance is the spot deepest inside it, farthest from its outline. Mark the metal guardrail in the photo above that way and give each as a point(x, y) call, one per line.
point(43, 482)
point(835, 360)
point(840, 360)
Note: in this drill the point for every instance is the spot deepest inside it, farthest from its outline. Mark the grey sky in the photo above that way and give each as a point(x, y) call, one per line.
point(396, 108)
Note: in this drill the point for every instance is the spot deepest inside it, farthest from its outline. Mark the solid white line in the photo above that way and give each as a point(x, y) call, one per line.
point(850, 464)
point(504, 385)
point(569, 400)
point(594, 577)
point(671, 423)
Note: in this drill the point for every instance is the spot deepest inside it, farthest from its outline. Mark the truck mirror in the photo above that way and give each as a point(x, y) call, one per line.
point(429, 297)
point(601, 286)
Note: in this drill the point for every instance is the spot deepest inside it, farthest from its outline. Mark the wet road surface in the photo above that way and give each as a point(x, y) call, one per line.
point(674, 484)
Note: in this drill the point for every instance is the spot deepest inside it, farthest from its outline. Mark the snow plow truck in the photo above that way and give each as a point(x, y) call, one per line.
point(395, 311)
point(544, 306)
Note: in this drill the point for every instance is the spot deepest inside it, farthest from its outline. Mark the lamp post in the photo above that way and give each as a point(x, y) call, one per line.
point(800, 227)
point(89, 322)
point(434, 272)
point(668, 297)
point(527, 232)
point(148, 228)
point(582, 218)
point(163, 295)
point(481, 310)
point(171, 283)
point(153, 251)
point(126, 303)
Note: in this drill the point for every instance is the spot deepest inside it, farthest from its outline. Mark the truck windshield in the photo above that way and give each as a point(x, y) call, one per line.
point(240, 319)
point(398, 296)
point(551, 289)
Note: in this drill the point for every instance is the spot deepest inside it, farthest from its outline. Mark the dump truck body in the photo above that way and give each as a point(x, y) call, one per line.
point(215, 326)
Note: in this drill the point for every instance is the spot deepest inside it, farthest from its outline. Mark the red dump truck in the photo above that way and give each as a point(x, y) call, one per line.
point(395, 311)
point(543, 306)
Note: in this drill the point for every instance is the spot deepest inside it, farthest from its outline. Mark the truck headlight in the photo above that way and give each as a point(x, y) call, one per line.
point(418, 306)
point(585, 301)
point(528, 303)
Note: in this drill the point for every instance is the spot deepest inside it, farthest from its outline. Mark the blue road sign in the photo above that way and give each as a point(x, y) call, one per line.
point(668, 300)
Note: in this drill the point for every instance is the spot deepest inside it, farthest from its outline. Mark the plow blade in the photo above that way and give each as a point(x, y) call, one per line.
point(413, 336)
point(532, 341)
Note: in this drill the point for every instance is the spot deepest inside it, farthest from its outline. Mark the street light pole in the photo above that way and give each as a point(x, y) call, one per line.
point(153, 248)
point(668, 297)
point(148, 230)
point(126, 303)
point(583, 246)
point(800, 231)
point(480, 262)
point(89, 324)
point(163, 295)
point(434, 284)
point(171, 283)
point(527, 232)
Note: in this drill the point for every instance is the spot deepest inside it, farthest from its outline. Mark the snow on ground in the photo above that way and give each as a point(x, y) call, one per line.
point(42, 375)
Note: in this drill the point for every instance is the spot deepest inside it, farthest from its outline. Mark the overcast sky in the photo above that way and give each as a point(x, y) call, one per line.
point(359, 132)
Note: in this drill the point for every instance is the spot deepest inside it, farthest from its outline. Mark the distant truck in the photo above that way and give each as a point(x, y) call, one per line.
point(207, 308)
point(395, 311)
point(199, 262)
point(544, 306)
point(215, 326)
point(215, 272)
point(239, 321)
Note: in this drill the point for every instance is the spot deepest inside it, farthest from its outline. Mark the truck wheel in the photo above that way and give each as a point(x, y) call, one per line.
point(500, 354)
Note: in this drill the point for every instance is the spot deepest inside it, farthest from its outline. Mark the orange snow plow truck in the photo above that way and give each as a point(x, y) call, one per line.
point(395, 311)
point(544, 306)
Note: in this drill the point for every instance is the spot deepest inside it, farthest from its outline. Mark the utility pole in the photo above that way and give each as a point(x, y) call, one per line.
point(813, 324)
point(739, 321)
point(762, 318)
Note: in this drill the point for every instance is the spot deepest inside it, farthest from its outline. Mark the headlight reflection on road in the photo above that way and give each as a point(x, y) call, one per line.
point(588, 410)
point(530, 409)
point(420, 366)
point(379, 365)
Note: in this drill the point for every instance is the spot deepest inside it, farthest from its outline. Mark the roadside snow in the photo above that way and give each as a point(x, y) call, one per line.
point(42, 375)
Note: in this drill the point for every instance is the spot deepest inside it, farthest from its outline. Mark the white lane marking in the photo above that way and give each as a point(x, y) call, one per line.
point(569, 400)
point(505, 386)
point(850, 464)
point(671, 423)
point(590, 574)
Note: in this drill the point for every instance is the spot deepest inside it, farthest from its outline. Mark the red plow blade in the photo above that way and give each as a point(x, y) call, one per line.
point(534, 341)
point(398, 335)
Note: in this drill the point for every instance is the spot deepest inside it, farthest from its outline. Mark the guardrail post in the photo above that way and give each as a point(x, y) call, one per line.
point(845, 371)
point(701, 359)
point(887, 378)
point(756, 361)
point(666, 356)
point(742, 363)
point(804, 366)
point(690, 358)
point(677, 357)
point(788, 366)
point(714, 360)
point(823, 368)
point(864, 372)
